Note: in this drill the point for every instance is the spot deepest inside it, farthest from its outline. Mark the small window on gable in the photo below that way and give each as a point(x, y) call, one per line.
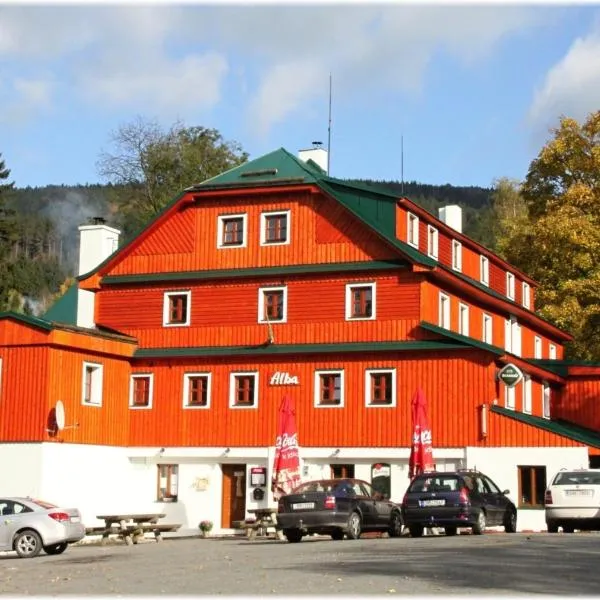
point(526, 387)
point(444, 311)
point(413, 230)
point(552, 352)
point(537, 347)
point(92, 384)
point(275, 228)
point(510, 286)
point(526, 299)
point(231, 231)
point(360, 301)
point(463, 319)
point(141, 390)
point(176, 309)
point(432, 242)
point(196, 390)
point(545, 400)
point(456, 255)
point(484, 270)
point(272, 305)
point(380, 387)
point(487, 329)
point(243, 390)
point(329, 388)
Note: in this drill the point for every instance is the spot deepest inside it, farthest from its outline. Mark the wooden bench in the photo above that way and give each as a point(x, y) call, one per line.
point(134, 532)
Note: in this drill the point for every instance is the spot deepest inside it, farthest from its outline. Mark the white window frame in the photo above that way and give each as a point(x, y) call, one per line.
point(166, 297)
point(509, 397)
point(537, 347)
point(221, 231)
point(349, 288)
point(368, 399)
point(444, 311)
point(432, 242)
point(510, 285)
point(412, 230)
point(97, 384)
point(317, 388)
point(512, 336)
point(487, 328)
point(263, 227)
point(232, 377)
point(484, 270)
point(135, 376)
point(552, 352)
point(546, 396)
point(526, 295)
point(261, 303)
point(463, 319)
point(526, 391)
point(186, 390)
point(457, 256)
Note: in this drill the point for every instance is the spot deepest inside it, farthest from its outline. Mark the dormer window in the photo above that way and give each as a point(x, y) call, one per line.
point(456, 255)
point(274, 229)
point(360, 301)
point(176, 309)
point(231, 231)
point(413, 230)
point(484, 270)
point(463, 319)
point(526, 299)
point(510, 286)
point(444, 311)
point(432, 242)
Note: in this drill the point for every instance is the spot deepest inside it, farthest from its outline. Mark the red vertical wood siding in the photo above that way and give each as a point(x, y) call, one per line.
point(579, 402)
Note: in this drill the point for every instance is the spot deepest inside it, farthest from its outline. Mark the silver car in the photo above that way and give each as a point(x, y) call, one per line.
point(28, 526)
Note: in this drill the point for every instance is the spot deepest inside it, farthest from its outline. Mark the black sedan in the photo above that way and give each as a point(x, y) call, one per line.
point(337, 507)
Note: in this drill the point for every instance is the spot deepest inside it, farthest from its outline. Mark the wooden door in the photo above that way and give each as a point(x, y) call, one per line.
point(342, 471)
point(233, 507)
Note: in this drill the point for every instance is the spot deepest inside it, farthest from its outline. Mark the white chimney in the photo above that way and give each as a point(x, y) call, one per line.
point(97, 242)
point(317, 154)
point(452, 216)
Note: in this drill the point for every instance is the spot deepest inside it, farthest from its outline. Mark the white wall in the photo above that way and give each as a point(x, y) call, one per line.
point(21, 469)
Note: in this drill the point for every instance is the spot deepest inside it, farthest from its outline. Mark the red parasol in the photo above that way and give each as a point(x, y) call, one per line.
point(421, 453)
point(286, 465)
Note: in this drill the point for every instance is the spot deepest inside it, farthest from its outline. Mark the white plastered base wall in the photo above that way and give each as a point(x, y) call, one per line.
point(103, 479)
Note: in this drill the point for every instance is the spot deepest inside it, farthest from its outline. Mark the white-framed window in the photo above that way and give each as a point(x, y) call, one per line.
point(272, 304)
point(380, 387)
point(176, 308)
point(412, 229)
point(487, 329)
point(91, 384)
point(232, 231)
point(509, 397)
point(537, 347)
point(275, 228)
point(360, 301)
point(484, 270)
point(512, 336)
point(463, 319)
point(168, 484)
point(510, 286)
point(432, 242)
point(545, 400)
point(141, 390)
point(526, 388)
point(329, 388)
point(526, 295)
point(444, 311)
point(552, 352)
point(197, 388)
point(243, 390)
point(456, 255)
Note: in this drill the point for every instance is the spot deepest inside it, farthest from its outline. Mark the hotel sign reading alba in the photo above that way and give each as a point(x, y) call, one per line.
point(283, 378)
point(510, 375)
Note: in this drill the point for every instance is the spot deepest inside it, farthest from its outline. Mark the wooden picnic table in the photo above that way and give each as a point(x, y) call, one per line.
point(265, 518)
point(130, 527)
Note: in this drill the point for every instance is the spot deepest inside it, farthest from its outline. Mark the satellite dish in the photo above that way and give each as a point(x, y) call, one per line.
point(59, 411)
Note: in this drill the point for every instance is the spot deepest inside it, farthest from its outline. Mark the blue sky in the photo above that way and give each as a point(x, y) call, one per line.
point(472, 89)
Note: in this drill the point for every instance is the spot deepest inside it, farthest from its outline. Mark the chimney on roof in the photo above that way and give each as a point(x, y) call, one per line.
point(317, 154)
point(452, 216)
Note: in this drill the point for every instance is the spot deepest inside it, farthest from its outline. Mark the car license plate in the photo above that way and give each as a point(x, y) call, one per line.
point(579, 492)
point(303, 505)
point(75, 519)
point(440, 502)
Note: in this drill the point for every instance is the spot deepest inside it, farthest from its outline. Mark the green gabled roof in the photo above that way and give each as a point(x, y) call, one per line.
point(561, 367)
point(279, 349)
point(568, 430)
point(373, 265)
point(64, 310)
point(463, 339)
point(28, 320)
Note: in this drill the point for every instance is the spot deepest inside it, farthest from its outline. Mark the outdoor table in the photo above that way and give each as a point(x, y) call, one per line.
point(131, 526)
point(265, 517)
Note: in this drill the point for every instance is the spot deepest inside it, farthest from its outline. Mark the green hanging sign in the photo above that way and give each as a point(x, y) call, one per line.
point(510, 375)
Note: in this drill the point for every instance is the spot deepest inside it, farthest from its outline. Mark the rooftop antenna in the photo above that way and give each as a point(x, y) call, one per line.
point(329, 131)
point(402, 164)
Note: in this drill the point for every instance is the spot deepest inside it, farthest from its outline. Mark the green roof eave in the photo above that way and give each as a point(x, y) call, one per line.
point(28, 320)
point(255, 272)
point(296, 349)
point(463, 339)
point(562, 428)
point(64, 310)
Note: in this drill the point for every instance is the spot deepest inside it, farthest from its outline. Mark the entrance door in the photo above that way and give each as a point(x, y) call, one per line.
point(342, 471)
point(234, 495)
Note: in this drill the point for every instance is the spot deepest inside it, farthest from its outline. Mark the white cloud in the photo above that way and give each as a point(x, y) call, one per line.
point(24, 97)
point(572, 86)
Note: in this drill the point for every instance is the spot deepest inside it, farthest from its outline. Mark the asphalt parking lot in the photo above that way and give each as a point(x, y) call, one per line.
point(489, 564)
